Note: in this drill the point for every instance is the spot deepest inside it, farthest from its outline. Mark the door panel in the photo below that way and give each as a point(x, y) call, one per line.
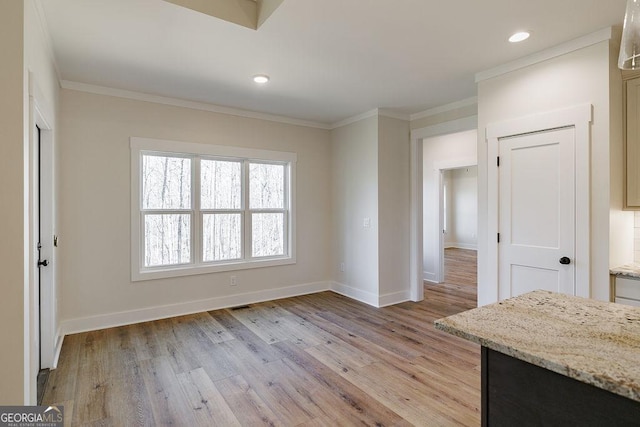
point(534, 195)
point(536, 212)
point(526, 279)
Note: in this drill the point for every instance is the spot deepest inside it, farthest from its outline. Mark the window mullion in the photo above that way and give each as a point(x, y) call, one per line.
point(285, 231)
point(247, 246)
point(287, 209)
point(196, 235)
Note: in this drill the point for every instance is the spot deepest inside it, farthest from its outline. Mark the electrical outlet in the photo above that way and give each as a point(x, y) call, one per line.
point(342, 266)
point(366, 223)
point(232, 281)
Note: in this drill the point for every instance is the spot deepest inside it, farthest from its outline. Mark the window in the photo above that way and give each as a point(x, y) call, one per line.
point(201, 208)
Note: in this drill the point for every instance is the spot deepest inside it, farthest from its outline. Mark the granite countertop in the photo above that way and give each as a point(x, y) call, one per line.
point(591, 341)
point(628, 270)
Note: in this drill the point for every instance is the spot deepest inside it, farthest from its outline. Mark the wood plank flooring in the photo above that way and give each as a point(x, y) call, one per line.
point(316, 360)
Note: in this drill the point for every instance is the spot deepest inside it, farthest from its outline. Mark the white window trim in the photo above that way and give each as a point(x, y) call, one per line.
point(138, 145)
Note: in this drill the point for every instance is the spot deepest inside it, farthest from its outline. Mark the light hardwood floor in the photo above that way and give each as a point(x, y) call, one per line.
point(317, 360)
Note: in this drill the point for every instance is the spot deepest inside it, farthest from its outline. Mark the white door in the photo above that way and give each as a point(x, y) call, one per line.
point(536, 248)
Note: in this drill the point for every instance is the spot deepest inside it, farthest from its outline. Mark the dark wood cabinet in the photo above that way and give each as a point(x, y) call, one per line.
point(517, 393)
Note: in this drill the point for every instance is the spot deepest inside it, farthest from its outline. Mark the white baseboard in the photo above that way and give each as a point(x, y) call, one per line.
point(458, 245)
point(394, 298)
point(58, 348)
point(354, 293)
point(92, 323)
point(110, 320)
point(429, 277)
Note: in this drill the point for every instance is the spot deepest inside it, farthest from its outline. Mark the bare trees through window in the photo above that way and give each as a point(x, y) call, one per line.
point(208, 210)
point(166, 193)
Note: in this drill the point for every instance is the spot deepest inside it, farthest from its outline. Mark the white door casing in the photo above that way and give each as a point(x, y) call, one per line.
point(536, 178)
point(416, 211)
point(578, 118)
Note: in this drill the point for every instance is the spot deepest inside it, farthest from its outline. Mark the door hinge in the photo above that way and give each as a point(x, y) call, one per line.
point(498, 161)
point(498, 237)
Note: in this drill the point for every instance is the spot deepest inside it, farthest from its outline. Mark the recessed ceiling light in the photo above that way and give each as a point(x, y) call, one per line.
point(518, 37)
point(261, 78)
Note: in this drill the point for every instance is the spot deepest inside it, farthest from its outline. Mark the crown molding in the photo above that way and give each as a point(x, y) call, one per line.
point(354, 119)
point(384, 112)
point(554, 52)
point(176, 102)
point(444, 108)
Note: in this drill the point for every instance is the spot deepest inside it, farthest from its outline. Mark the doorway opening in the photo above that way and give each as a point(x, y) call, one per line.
point(458, 291)
point(421, 168)
point(41, 316)
point(458, 249)
point(43, 372)
point(449, 198)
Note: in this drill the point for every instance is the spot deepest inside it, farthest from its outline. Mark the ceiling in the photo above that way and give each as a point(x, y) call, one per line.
point(328, 59)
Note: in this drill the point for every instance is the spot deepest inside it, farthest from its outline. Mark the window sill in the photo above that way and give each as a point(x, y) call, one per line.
point(190, 270)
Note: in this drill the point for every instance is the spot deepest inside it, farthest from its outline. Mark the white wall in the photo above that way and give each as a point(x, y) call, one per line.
point(440, 152)
point(463, 208)
point(447, 195)
point(636, 237)
point(579, 77)
point(95, 235)
point(393, 210)
point(370, 164)
point(621, 239)
point(354, 180)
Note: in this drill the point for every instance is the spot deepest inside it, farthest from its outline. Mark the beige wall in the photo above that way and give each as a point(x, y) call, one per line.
point(95, 178)
point(576, 78)
point(355, 197)
point(393, 210)
point(12, 215)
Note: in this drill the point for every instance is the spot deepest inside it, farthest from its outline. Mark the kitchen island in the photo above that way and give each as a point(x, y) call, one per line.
point(554, 359)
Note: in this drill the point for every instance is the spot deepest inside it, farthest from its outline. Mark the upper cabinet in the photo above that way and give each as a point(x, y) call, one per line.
point(632, 145)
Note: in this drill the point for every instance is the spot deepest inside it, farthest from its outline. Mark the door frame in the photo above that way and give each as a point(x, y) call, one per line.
point(40, 343)
point(416, 260)
point(579, 117)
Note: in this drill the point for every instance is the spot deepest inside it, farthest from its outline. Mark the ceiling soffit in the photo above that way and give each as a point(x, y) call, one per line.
point(248, 13)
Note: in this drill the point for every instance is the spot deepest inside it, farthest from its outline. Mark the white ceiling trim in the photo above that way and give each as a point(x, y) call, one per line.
point(354, 119)
point(559, 50)
point(371, 113)
point(385, 112)
point(176, 102)
point(444, 108)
